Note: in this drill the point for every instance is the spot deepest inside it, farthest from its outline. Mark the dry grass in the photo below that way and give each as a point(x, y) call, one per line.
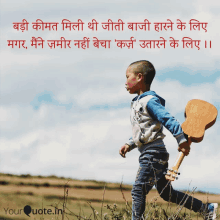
point(81, 203)
point(56, 181)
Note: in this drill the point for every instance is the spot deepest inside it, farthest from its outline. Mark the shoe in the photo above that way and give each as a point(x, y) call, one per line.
point(211, 211)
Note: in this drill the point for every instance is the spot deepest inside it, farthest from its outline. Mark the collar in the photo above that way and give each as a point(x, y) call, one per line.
point(144, 94)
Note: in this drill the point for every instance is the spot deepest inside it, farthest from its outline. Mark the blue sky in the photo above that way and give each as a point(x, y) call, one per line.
point(71, 106)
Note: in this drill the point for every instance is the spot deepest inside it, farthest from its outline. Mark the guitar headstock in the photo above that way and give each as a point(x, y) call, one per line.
point(172, 174)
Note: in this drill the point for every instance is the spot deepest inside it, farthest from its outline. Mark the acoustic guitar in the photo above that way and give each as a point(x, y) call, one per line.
point(200, 115)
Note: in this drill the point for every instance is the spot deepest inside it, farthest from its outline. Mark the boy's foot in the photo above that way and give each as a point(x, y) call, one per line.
point(211, 213)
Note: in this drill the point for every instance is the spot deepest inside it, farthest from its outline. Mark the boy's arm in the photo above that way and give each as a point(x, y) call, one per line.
point(184, 147)
point(131, 144)
point(159, 113)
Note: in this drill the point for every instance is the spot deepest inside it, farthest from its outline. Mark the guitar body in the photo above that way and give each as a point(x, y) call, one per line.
point(200, 115)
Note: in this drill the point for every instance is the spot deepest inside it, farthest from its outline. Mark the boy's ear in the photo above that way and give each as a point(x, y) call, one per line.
point(140, 76)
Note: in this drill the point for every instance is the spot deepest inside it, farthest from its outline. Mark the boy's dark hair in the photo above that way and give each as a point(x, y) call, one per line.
point(146, 68)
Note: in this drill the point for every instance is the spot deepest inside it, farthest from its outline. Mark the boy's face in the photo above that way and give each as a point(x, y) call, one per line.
point(132, 82)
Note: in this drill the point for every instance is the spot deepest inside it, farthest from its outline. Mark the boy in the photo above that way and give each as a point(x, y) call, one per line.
point(148, 116)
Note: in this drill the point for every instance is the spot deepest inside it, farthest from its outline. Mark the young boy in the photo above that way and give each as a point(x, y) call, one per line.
point(148, 116)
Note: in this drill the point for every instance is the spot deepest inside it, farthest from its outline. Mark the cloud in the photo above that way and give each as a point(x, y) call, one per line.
point(182, 94)
point(88, 142)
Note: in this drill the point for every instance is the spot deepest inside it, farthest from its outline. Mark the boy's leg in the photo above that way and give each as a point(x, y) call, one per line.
point(150, 170)
point(167, 192)
point(138, 193)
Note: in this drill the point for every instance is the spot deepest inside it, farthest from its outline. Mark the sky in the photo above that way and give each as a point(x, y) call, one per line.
point(66, 112)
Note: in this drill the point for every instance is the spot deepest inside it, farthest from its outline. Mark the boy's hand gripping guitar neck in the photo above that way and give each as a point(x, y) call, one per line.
point(200, 115)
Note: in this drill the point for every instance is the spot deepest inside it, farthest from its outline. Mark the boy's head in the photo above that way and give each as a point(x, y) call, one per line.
point(140, 75)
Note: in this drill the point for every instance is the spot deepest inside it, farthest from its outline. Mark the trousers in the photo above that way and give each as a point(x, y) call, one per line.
point(152, 166)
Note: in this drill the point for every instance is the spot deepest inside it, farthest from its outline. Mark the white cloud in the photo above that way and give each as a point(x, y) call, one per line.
point(91, 145)
point(9, 59)
point(177, 95)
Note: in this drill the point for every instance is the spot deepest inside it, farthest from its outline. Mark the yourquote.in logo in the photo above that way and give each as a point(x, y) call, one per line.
point(28, 210)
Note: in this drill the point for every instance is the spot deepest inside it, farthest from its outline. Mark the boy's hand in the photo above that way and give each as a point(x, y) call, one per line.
point(185, 148)
point(124, 149)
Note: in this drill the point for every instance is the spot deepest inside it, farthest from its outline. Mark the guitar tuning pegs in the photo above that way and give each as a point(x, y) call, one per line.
point(169, 170)
point(176, 172)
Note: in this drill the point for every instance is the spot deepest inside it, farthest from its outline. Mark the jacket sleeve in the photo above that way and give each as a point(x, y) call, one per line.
point(159, 113)
point(131, 143)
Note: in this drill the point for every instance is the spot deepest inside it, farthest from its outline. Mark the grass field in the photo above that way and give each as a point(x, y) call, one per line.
point(81, 198)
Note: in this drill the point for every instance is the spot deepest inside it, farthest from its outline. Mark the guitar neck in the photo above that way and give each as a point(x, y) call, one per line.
point(171, 174)
point(178, 161)
point(180, 157)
